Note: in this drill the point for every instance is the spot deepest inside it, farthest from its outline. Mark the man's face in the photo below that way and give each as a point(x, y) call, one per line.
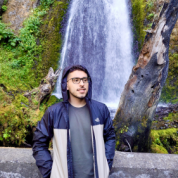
point(79, 90)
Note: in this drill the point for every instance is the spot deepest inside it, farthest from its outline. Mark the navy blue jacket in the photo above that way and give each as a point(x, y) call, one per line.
point(55, 125)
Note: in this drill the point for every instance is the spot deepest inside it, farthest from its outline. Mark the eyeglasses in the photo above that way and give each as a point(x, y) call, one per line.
point(78, 80)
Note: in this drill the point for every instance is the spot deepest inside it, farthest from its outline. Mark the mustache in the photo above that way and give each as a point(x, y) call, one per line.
point(81, 89)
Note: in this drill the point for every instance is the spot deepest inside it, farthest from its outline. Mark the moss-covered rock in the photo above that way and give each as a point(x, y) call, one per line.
point(158, 149)
point(15, 16)
point(138, 13)
point(165, 141)
point(51, 38)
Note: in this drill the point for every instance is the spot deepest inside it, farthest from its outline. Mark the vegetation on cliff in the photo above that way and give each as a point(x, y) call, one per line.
point(25, 59)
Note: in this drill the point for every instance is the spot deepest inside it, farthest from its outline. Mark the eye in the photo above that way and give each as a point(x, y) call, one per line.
point(85, 80)
point(76, 79)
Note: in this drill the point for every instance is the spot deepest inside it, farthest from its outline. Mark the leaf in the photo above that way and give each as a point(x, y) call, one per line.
point(13, 44)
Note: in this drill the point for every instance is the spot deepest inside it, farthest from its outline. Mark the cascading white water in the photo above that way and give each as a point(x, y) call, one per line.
point(98, 36)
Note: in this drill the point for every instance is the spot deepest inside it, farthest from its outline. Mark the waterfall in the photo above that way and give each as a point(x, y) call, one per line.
point(98, 36)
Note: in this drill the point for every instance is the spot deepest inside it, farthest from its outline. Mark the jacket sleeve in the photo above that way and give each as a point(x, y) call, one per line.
point(41, 138)
point(109, 138)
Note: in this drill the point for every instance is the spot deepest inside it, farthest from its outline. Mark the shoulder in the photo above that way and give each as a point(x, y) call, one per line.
point(100, 106)
point(98, 103)
point(55, 107)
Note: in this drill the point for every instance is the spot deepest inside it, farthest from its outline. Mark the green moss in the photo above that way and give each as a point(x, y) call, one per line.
point(172, 117)
point(170, 90)
point(163, 141)
point(138, 12)
point(150, 16)
point(150, 6)
point(117, 143)
point(158, 149)
point(50, 38)
point(123, 129)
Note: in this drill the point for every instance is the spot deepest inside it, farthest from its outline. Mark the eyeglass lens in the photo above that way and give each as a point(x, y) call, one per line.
point(77, 80)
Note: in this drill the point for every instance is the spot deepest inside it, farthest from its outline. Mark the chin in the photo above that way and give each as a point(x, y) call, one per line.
point(82, 97)
point(79, 96)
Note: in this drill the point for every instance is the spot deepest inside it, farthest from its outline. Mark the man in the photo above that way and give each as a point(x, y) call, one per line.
point(81, 129)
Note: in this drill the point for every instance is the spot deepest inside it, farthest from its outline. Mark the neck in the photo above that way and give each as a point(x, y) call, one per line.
point(77, 102)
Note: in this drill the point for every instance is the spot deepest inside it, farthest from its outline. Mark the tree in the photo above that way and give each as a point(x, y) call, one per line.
point(142, 91)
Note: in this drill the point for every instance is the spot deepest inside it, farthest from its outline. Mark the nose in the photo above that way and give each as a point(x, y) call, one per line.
point(81, 82)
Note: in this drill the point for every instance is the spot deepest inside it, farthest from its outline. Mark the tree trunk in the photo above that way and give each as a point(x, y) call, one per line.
point(45, 88)
point(142, 91)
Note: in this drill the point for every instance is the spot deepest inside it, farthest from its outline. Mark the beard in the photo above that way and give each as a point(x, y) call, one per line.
point(79, 97)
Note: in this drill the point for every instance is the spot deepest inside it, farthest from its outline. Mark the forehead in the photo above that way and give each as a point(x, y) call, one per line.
point(77, 73)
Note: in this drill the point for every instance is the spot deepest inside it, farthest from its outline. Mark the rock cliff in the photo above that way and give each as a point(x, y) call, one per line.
point(17, 12)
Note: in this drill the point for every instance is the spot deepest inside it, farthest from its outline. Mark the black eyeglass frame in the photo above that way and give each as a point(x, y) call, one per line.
point(88, 79)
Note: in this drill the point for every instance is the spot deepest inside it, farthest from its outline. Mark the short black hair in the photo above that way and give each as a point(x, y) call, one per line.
point(77, 67)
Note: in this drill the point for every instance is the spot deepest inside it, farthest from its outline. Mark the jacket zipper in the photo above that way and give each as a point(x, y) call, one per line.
point(94, 153)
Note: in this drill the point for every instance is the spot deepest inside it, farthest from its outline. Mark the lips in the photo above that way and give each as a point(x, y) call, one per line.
point(81, 90)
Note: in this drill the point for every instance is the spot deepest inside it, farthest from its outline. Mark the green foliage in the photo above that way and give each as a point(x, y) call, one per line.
point(4, 8)
point(7, 37)
point(150, 5)
point(172, 117)
point(150, 16)
point(164, 141)
point(52, 43)
point(170, 90)
point(158, 149)
point(46, 3)
point(14, 119)
point(6, 134)
point(5, 2)
point(23, 63)
point(24, 51)
point(138, 11)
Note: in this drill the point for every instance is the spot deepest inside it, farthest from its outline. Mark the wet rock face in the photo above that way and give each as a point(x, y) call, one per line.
point(1, 3)
point(17, 12)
